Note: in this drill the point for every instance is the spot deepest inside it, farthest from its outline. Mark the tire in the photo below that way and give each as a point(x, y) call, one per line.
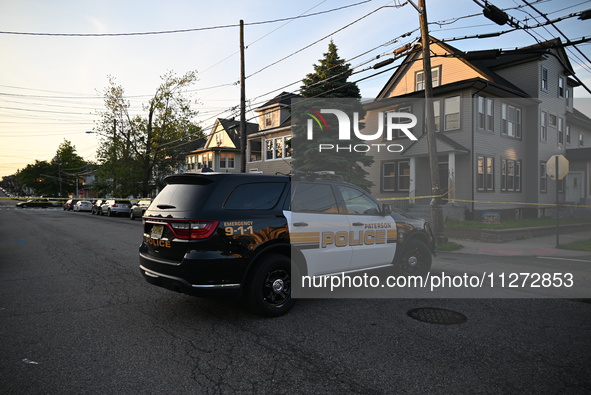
point(269, 290)
point(415, 259)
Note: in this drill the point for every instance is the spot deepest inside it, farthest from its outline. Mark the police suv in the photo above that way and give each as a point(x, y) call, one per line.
point(256, 235)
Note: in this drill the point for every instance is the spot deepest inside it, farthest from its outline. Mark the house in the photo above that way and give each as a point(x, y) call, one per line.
point(499, 117)
point(220, 151)
point(269, 149)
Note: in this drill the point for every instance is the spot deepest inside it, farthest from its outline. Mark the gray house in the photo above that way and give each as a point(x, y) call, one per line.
point(500, 116)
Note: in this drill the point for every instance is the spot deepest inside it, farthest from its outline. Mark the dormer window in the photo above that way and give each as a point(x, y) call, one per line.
point(268, 119)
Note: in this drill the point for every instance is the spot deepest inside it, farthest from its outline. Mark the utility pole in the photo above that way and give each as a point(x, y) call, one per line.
point(436, 203)
point(242, 103)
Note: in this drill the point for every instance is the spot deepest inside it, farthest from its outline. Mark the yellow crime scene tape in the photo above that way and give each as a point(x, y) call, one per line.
point(483, 201)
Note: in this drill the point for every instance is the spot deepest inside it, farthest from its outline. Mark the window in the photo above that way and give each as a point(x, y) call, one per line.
point(403, 175)
point(511, 120)
point(543, 178)
point(261, 196)
point(544, 79)
point(420, 78)
point(567, 134)
point(561, 87)
point(278, 148)
point(560, 131)
point(451, 113)
point(396, 176)
point(485, 113)
point(268, 119)
point(256, 153)
point(510, 175)
point(356, 202)
point(437, 114)
point(435, 76)
point(402, 120)
point(314, 198)
point(580, 139)
point(568, 95)
point(226, 160)
point(485, 173)
point(552, 120)
point(544, 126)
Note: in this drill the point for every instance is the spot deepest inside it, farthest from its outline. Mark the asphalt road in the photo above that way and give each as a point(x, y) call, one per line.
point(76, 316)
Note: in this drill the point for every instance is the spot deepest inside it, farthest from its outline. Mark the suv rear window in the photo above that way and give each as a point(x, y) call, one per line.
point(255, 196)
point(181, 196)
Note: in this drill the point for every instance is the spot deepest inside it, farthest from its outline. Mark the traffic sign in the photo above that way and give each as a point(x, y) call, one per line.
point(557, 167)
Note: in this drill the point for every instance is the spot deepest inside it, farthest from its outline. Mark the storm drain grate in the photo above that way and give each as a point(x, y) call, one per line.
point(433, 315)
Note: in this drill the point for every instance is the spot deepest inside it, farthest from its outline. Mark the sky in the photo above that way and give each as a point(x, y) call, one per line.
point(51, 82)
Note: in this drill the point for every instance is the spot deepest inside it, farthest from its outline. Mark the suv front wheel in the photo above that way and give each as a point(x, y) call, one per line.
point(415, 259)
point(269, 291)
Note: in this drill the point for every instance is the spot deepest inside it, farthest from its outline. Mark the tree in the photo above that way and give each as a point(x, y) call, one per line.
point(134, 149)
point(51, 178)
point(327, 87)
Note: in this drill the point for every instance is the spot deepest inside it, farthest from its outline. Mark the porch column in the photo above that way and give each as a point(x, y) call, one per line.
point(451, 183)
point(412, 189)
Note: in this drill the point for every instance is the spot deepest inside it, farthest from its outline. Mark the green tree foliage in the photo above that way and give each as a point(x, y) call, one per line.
point(328, 87)
point(55, 177)
point(137, 150)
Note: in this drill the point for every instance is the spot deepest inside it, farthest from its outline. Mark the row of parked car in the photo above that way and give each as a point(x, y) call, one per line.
point(109, 207)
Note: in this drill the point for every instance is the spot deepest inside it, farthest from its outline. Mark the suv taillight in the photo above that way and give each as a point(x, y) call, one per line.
point(193, 230)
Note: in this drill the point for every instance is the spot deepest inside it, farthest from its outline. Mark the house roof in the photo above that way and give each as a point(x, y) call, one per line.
point(444, 143)
point(577, 117)
point(283, 100)
point(579, 154)
point(232, 128)
point(486, 62)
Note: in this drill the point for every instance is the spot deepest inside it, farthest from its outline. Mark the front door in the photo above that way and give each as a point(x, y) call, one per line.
point(574, 186)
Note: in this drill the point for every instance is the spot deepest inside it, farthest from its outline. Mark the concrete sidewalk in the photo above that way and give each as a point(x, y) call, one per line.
point(537, 246)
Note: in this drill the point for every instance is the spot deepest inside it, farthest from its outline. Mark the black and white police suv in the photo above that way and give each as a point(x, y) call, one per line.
point(218, 233)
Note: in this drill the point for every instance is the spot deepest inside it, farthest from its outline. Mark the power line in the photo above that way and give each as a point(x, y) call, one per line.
point(180, 30)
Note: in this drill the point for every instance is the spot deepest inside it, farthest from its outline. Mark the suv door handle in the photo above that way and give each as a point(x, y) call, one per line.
point(300, 224)
point(358, 224)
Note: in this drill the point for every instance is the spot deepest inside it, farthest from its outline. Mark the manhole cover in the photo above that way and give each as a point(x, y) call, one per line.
point(433, 315)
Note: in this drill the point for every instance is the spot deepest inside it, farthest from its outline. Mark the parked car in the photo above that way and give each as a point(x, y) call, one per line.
point(96, 206)
point(138, 209)
point(83, 205)
point(43, 203)
point(69, 205)
point(113, 207)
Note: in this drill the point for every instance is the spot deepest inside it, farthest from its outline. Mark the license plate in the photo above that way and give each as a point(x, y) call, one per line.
point(156, 231)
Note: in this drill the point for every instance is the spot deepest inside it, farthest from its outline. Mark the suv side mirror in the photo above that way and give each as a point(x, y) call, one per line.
point(386, 209)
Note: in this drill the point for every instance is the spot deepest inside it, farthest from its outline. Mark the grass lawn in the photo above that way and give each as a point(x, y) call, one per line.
point(449, 246)
point(581, 245)
point(511, 223)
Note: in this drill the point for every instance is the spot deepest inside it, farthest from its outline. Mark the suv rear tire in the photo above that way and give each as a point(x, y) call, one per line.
point(415, 259)
point(269, 291)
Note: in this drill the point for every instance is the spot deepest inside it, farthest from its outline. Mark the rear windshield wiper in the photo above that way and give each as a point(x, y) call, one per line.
point(165, 206)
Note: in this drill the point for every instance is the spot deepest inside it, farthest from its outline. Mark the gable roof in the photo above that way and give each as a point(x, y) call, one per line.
point(444, 145)
point(485, 62)
point(232, 129)
point(283, 100)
